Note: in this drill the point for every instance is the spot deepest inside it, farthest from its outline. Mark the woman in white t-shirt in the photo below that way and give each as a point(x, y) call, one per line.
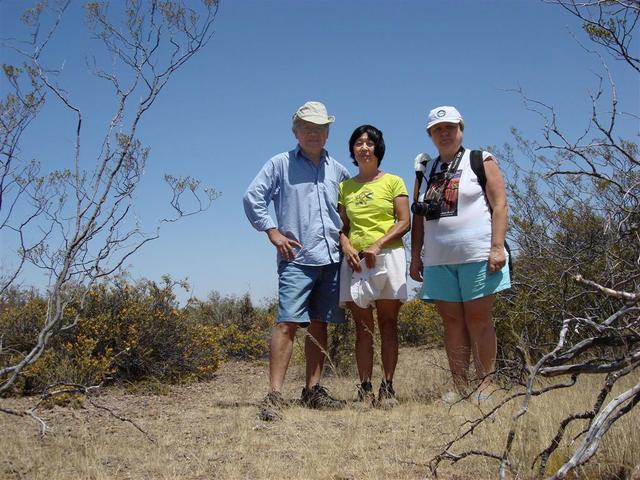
point(463, 263)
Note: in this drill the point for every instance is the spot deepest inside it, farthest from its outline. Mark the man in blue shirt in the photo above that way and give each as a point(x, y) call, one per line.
point(303, 185)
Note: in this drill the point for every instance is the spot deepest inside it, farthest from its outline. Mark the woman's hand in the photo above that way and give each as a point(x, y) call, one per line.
point(497, 259)
point(415, 269)
point(369, 255)
point(350, 253)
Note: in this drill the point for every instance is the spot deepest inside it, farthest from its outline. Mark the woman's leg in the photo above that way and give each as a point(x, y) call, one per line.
point(387, 311)
point(484, 344)
point(363, 318)
point(456, 342)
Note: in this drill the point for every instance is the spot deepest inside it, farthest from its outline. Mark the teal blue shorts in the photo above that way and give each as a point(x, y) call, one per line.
point(462, 282)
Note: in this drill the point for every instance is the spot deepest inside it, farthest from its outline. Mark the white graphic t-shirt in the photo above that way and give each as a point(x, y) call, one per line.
point(462, 234)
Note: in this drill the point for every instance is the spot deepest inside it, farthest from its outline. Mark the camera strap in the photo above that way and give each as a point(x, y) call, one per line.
point(451, 169)
point(420, 175)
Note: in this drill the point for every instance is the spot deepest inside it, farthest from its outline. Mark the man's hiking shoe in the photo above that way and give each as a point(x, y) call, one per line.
point(271, 407)
point(365, 394)
point(387, 395)
point(318, 397)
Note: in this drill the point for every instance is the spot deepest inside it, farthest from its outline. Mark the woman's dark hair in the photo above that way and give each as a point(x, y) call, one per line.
point(374, 135)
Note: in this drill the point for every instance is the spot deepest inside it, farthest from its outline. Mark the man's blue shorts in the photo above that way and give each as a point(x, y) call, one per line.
point(308, 293)
point(462, 282)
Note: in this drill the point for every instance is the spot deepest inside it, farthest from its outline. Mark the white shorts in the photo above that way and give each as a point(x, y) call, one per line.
point(395, 285)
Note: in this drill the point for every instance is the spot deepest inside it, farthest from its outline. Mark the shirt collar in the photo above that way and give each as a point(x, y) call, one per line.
point(324, 157)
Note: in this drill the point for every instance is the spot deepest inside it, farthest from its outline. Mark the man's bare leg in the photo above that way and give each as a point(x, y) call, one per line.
point(282, 337)
point(314, 351)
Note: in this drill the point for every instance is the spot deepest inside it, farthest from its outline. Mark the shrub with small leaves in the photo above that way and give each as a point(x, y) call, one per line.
point(419, 324)
point(123, 331)
point(148, 334)
point(243, 329)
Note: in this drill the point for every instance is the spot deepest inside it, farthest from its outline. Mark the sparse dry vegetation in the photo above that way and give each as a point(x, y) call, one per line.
point(210, 430)
point(180, 385)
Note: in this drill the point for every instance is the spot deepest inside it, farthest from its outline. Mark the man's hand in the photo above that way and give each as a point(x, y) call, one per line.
point(284, 245)
point(497, 259)
point(415, 269)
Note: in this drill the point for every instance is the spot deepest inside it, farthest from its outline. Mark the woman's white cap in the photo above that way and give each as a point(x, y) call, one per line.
point(367, 284)
point(443, 114)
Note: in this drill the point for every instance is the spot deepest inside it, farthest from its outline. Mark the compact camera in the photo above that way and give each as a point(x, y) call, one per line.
point(430, 209)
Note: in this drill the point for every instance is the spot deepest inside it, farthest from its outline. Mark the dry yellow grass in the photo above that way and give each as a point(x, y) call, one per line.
point(210, 430)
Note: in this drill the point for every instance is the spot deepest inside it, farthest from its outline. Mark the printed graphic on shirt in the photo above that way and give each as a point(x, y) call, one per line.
point(363, 198)
point(445, 189)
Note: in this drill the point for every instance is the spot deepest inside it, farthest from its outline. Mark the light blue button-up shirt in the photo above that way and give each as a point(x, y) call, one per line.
point(305, 197)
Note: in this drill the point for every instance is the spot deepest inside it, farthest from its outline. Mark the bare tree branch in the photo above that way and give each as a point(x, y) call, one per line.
point(81, 225)
point(575, 211)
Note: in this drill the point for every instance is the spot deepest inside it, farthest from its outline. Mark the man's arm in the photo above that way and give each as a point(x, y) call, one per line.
point(256, 202)
point(283, 244)
point(258, 196)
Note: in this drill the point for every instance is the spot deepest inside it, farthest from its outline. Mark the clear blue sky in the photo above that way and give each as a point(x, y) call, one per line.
point(381, 62)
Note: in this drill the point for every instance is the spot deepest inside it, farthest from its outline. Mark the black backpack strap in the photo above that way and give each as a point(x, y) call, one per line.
point(433, 170)
point(477, 165)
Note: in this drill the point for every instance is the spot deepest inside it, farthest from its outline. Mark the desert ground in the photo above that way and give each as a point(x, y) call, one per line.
point(210, 430)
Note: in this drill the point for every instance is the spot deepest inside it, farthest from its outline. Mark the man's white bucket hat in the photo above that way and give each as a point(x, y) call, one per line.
point(314, 112)
point(443, 114)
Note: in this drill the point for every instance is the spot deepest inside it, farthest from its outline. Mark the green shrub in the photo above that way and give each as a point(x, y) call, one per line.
point(147, 334)
point(22, 315)
point(419, 324)
point(124, 331)
point(243, 329)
